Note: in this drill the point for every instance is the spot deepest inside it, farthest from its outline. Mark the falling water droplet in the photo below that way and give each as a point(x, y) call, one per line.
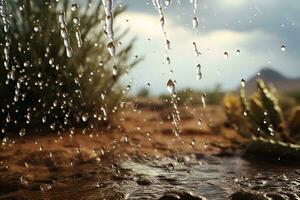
point(36, 29)
point(196, 49)
point(199, 122)
point(283, 47)
point(74, 7)
point(115, 70)
point(271, 130)
point(238, 52)
point(203, 99)
point(243, 83)
point(225, 55)
point(111, 48)
point(168, 2)
point(168, 45)
point(199, 74)
point(8, 118)
point(168, 60)
point(195, 22)
point(193, 142)
point(44, 119)
point(22, 132)
point(171, 86)
point(85, 117)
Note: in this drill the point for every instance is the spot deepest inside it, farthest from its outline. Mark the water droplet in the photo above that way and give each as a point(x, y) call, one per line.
point(171, 87)
point(168, 60)
point(36, 29)
point(238, 52)
point(115, 70)
point(243, 83)
point(74, 7)
point(199, 122)
point(8, 118)
point(168, 45)
point(225, 55)
point(193, 142)
point(85, 117)
point(22, 132)
point(196, 49)
point(168, 2)
point(199, 74)
point(111, 48)
point(203, 99)
point(76, 21)
point(283, 47)
point(271, 130)
point(195, 22)
point(69, 51)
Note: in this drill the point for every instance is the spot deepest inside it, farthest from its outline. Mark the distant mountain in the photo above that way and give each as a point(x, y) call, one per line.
point(281, 82)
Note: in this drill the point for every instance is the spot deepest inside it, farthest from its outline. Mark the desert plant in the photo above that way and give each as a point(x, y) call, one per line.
point(261, 115)
point(41, 86)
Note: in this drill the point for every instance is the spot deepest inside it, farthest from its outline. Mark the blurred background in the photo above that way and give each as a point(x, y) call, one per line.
point(257, 28)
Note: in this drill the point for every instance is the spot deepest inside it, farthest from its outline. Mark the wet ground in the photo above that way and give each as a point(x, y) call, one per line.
point(137, 177)
point(141, 162)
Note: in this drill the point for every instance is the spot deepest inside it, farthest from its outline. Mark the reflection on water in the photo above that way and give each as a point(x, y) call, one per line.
point(143, 178)
point(213, 177)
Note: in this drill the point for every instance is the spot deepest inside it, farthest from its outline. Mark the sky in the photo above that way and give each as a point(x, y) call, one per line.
point(257, 28)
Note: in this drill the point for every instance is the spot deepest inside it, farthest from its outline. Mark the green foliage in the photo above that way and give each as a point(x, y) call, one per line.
point(261, 114)
point(52, 86)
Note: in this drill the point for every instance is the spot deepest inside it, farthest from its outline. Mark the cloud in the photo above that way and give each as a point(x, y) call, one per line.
point(258, 48)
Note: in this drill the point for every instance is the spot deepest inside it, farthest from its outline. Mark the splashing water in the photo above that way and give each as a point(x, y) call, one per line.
point(175, 111)
point(65, 34)
point(5, 20)
point(195, 19)
point(76, 22)
point(108, 27)
point(159, 8)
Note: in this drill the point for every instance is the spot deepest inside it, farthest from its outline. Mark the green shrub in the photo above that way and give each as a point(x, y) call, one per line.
point(41, 86)
point(262, 115)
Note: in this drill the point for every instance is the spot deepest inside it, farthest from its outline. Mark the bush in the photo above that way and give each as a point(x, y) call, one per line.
point(41, 86)
point(143, 92)
point(194, 97)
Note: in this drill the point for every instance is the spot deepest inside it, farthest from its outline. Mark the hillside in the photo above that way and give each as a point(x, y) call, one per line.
point(281, 82)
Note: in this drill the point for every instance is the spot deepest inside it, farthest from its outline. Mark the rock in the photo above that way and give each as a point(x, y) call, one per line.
point(242, 195)
point(276, 196)
point(144, 181)
point(180, 195)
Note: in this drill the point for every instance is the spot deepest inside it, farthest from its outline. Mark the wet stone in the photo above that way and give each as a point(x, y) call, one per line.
point(181, 195)
point(144, 181)
point(242, 195)
point(276, 196)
